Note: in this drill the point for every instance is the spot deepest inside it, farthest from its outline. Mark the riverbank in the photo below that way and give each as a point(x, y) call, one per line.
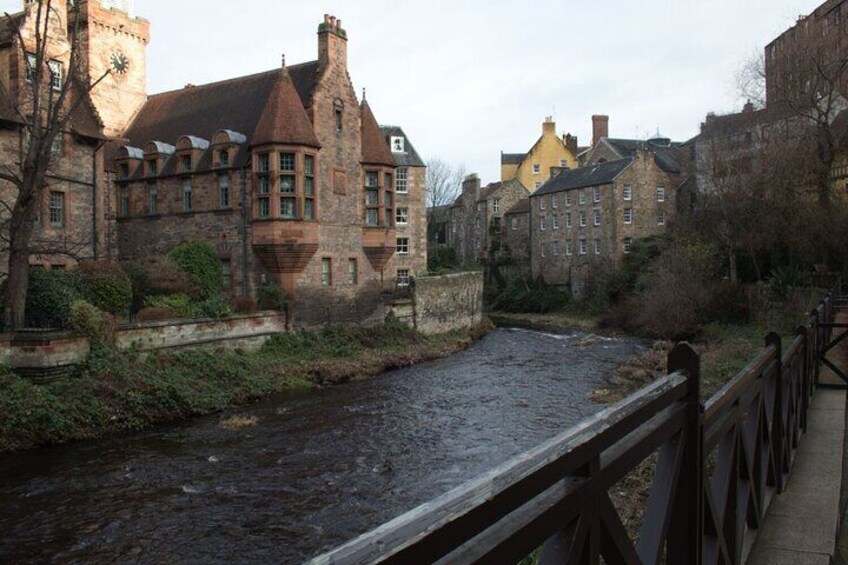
point(117, 392)
point(552, 322)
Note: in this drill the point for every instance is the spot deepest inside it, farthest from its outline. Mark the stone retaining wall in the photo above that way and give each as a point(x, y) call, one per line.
point(448, 302)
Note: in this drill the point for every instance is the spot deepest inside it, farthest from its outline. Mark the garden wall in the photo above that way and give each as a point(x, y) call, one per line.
point(448, 302)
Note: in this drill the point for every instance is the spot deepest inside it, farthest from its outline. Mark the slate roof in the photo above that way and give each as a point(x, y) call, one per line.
point(521, 207)
point(512, 158)
point(592, 175)
point(410, 157)
point(375, 148)
point(8, 25)
point(489, 190)
point(283, 119)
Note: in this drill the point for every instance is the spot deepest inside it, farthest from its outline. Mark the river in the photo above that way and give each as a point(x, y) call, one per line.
point(317, 469)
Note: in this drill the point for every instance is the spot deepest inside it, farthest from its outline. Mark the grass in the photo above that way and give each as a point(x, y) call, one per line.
point(121, 391)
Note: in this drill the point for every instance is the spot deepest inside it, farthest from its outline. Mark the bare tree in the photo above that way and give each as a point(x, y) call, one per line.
point(751, 81)
point(45, 108)
point(444, 183)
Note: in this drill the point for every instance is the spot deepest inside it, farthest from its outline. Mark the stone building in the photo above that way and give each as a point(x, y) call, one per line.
point(592, 215)
point(73, 218)
point(515, 239)
point(286, 173)
point(549, 152)
point(476, 217)
point(410, 205)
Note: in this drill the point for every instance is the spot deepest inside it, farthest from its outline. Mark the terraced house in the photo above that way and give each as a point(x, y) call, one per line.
point(286, 172)
point(594, 214)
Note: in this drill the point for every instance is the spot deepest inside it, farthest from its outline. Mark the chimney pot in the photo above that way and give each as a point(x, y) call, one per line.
point(339, 24)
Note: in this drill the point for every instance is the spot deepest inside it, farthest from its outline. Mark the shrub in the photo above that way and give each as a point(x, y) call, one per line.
point(106, 286)
point(442, 259)
point(158, 274)
point(244, 305)
point(782, 279)
point(199, 261)
point(521, 295)
point(180, 304)
point(50, 296)
point(215, 306)
point(272, 297)
point(156, 314)
point(726, 303)
point(84, 319)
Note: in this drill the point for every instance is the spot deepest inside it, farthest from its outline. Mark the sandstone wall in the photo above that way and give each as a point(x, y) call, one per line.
point(449, 302)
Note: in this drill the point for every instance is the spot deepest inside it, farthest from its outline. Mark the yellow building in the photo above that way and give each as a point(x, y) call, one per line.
point(534, 167)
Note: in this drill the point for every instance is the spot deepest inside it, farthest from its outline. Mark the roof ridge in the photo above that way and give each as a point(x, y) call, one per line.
point(231, 79)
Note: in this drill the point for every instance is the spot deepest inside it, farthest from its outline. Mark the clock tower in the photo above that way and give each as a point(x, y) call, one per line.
point(114, 46)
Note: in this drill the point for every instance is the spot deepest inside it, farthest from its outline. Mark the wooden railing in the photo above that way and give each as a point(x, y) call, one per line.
point(717, 466)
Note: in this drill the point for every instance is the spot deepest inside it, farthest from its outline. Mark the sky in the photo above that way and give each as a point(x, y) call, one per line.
point(467, 79)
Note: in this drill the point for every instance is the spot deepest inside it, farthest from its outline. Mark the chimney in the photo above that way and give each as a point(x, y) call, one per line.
point(332, 43)
point(570, 142)
point(748, 107)
point(600, 128)
point(471, 184)
point(549, 126)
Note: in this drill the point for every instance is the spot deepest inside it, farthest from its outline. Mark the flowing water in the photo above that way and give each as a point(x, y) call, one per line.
point(317, 469)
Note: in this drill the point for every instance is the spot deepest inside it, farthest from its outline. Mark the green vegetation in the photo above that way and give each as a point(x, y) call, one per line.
point(199, 261)
point(122, 391)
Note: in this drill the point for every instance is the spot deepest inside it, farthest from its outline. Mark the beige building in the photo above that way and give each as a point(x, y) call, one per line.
point(594, 214)
point(550, 152)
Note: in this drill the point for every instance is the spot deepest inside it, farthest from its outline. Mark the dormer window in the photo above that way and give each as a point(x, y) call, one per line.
point(125, 170)
point(398, 144)
point(186, 162)
point(223, 158)
point(152, 168)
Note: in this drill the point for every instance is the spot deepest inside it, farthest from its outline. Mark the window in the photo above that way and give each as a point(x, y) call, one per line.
point(186, 195)
point(581, 197)
point(264, 163)
point(338, 113)
point(567, 199)
point(555, 247)
point(628, 244)
point(226, 274)
point(496, 206)
point(309, 187)
point(543, 246)
point(223, 191)
point(57, 209)
point(628, 215)
point(555, 222)
point(582, 219)
point(596, 194)
point(537, 168)
point(125, 170)
point(660, 194)
point(563, 163)
point(401, 186)
point(403, 246)
point(402, 216)
point(152, 168)
point(223, 158)
point(583, 246)
point(287, 162)
point(288, 197)
point(398, 145)
point(56, 146)
point(568, 219)
point(542, 203)
point(661, 218)
point(514, 224)
point(597, 247)
point(597, 218)
point(326, 271)
point(554, 201)
point(30, 66)
point(124, 201)
point(542, 224)
point(264, 207)
point(56, 71)
point(152, 199)
point(568, 247)
point(186, 163)
point(628, 192)
point(352, 271)
point(388, 199)
point(403, 277)
point(372, 198)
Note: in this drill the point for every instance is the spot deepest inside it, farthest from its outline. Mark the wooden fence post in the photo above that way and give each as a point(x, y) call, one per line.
point(814, 346)
point(801, 331)
point(778, 432)
point(686, 532)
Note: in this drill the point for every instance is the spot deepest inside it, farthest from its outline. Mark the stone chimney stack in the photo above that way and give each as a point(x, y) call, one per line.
point(570, 142)
point(549, 126)
point(471, 185)
point(332, 43)
point(600, 128)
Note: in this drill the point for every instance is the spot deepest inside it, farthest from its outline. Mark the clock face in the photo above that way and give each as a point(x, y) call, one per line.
point(119, 62)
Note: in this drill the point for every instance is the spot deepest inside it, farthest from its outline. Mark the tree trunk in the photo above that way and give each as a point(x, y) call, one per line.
point(22, 225)
point(734, 273)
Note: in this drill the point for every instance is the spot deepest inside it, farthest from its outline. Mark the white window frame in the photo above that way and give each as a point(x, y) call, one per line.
point(398, 144)
point(581, 197)
point(542, 224)
point(554, 201)
point(403, 277)
point(596, 194)
point(596, 220)
point(628, 245)
point(402, 180)
point(584, 246)
point(555, 222)
point(513, 223)
point(583, 219)
point(627, 192)
point(628, 216)
point(661, 218)
point(568, 247)
point(224, 184)
point(597, 246)
point(660, 194)
point(542, 202)
point(555, 247)
point(57, 72)
point(568, 219)
point(537, 168)
point(567, 199)
point(401, 216)
point(403, 246)
point(496, 206)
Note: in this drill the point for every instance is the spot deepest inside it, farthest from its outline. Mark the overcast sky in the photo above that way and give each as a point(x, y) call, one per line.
point(467, 79)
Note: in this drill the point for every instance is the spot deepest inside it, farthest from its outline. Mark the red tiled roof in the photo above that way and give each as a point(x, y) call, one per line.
point(284, 119)
point(375, 149)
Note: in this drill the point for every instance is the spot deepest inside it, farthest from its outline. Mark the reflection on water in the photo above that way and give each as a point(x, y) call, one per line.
point(316, 470)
